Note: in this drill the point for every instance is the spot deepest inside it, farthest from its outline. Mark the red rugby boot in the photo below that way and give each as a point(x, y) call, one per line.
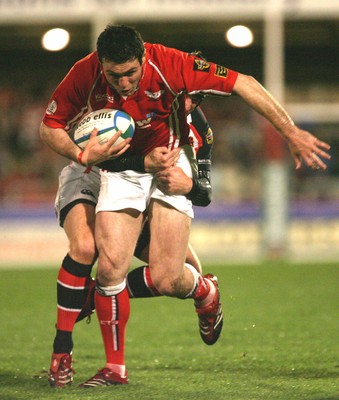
point(211, 316)
point(61, 370)
point(105, 377)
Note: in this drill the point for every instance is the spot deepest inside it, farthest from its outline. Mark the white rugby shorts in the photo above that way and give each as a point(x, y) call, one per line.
point(77, 184)
point(131, 189)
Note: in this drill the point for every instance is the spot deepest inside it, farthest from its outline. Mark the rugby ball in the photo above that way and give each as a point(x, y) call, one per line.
point(108, 122)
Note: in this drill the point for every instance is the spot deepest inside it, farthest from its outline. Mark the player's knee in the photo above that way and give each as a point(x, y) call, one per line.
point(112, 267)
point(84, 250)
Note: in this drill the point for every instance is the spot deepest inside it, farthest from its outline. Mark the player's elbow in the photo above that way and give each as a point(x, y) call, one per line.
point(43, 131)
point(245, 84)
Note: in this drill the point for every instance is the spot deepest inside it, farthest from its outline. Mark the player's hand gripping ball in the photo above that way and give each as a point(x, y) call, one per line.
point(108, 122)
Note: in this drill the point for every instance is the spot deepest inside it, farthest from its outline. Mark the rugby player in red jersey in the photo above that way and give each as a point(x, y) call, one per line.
point(77, 194)
point(150, 82)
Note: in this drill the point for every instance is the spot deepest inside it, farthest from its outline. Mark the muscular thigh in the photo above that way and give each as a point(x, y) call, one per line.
point(169, 238)
point(116, 237)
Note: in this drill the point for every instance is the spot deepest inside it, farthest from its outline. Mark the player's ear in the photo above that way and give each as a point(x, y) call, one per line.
point(143, 59)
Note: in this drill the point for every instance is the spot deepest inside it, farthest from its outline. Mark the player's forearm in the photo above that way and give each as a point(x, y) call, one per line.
point(123, 163)
point(160, 158)
point(59, 141)
point(257, 97)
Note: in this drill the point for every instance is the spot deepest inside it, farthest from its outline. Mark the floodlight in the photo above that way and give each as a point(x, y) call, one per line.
point(55, 39)
point(239, 36)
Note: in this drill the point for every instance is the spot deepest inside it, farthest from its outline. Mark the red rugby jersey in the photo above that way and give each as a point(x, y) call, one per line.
point(157, 107)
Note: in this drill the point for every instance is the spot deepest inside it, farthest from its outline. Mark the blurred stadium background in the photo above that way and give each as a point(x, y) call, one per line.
point(262, 207)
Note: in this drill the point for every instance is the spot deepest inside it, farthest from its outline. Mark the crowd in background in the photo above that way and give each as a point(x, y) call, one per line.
point(28, 169)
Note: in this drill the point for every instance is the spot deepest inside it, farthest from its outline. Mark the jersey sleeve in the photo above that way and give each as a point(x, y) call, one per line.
point(200, 123)
point(201, 193)
point(71, 96)
point(191, 74)
point(208, 78)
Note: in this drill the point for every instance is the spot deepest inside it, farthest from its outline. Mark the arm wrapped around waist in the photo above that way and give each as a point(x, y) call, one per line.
point(134, 162)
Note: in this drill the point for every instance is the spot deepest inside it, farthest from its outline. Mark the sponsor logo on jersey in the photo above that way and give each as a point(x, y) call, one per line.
point(201, 65)
point(221, 71)
point(52, 107)
point(209, 136)
point(154, 95)
point(145, 123)
point(104, 97)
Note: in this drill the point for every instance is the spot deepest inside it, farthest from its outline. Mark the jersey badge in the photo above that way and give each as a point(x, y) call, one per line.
point(104, 97)
point(201, 65)
point(52, 107)
point(209, 136)
point(154, 95)
point(145, 123)
point(221, 71)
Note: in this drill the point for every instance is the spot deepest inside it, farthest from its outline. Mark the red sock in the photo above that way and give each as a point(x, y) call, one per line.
point(71, 294)
point(140, 284)
point(149, 283)
point(204, 293)
point(113, 313)
point(202, 290)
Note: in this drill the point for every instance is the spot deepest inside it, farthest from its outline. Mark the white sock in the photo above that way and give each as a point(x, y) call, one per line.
point(117, 368)
point(196, 277)
point(111, 290)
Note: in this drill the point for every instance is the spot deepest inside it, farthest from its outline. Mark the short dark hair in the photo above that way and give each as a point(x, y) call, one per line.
point(119, 44)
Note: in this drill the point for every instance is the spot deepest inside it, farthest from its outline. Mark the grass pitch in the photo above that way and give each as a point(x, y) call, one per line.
point(280, 340)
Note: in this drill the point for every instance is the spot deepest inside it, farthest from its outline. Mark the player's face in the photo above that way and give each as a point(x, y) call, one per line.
point(124, 78)
point(192, 102)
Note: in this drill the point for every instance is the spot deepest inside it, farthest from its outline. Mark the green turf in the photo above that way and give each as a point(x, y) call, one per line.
point(280, 340)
